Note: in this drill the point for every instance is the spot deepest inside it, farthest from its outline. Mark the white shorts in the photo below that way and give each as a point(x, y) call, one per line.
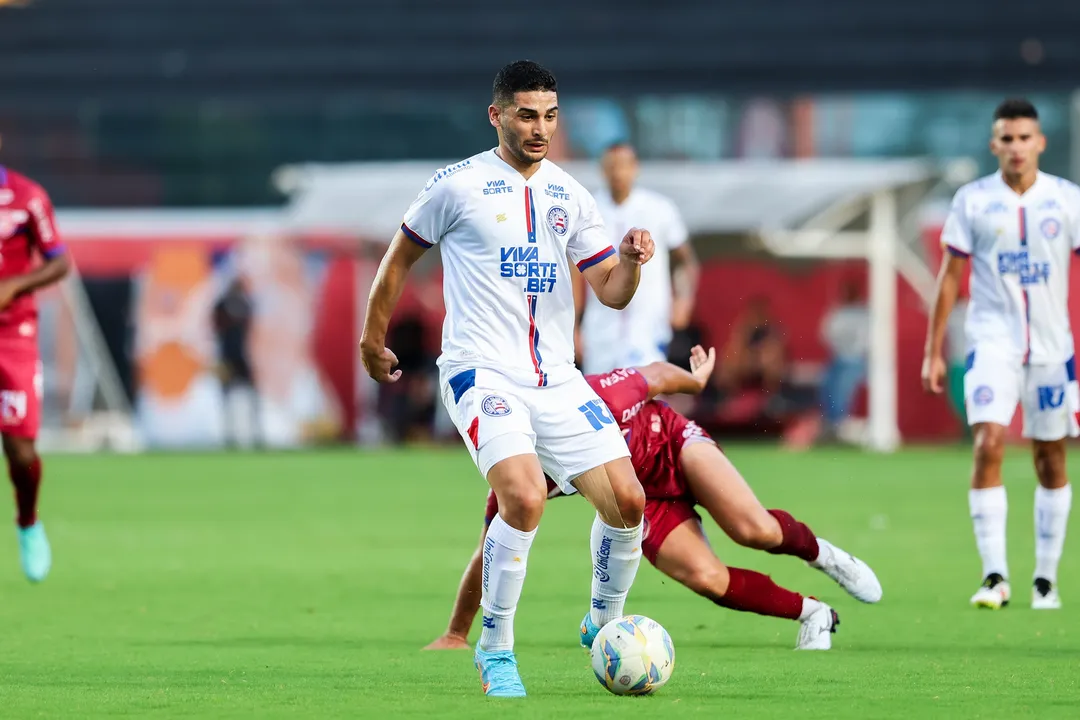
point(566, 426)
point(993, 385)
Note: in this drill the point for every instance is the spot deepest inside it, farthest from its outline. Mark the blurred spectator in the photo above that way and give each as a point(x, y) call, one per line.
point(752, 392)
point(233, 315)
point(845, 330)
point(408, 405)
point(755, 354)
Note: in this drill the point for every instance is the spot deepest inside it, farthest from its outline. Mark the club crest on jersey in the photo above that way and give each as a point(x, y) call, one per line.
point(983, 395)
point(12, 220)
point(558, 220)
point(495, 406)
point(1050, 227)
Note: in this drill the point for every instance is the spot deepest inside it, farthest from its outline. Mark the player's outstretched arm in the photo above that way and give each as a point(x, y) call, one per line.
point(615, 279)
point(948, 289)
point(466, 604)
point(386, 291)
point(667, 379)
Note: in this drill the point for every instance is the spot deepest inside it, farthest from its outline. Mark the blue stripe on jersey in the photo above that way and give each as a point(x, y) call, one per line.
point(530, 215)
point(1070, 369)
point(970, 362)
point(1023, 226)
point(534, 342)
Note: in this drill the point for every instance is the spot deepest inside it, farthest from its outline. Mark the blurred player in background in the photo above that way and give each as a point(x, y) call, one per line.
point(664, 301)
point(507, 220)
point(679, 467)
point(1018, 227)
point(27, 233)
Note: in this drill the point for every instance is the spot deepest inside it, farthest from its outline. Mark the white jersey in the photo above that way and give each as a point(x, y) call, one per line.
point(639, 333)
point(506, 279)
point(1020, 247)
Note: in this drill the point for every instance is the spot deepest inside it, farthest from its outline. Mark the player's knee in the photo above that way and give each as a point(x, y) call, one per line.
point(1050, 464)
point(989, 447)
point(20, 451)
point(759, 531)
point(709, 580)
point(630, 501)
point(522, 504)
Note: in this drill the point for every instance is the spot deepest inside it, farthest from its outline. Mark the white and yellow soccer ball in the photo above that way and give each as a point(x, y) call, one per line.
point(633, 655)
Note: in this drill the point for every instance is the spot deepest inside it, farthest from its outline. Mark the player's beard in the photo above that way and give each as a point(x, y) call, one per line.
point(516, 146)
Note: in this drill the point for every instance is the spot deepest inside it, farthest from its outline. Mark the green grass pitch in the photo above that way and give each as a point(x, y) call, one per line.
point(304, 585)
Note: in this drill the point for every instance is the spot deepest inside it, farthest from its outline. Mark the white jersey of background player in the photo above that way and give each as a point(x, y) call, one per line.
point(506, 221)
point(641, 333)
point(1018, 229)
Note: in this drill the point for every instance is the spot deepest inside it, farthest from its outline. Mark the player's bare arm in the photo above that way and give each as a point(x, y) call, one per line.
point(379, 361)
point(466, 604)
point(51, 271)
point(615, 279)
point(667, 379)
point(685, 271)
point(948, 289)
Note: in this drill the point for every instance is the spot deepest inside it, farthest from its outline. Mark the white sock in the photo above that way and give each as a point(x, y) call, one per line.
point(506, 554)
point(616, 554)
point(1051, 517)
point(809, 607)
point(989, 508)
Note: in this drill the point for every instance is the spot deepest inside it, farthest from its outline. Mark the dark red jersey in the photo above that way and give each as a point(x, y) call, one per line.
point(27, 232)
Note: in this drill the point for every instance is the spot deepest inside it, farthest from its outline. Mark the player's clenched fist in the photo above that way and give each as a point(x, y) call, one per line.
point(933, 374)
point(637, 246)
point(379, 362)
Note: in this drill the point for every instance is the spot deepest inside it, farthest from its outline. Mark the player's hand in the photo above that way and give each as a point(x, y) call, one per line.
point(8, 291)
point(702, 364)
point(933, 374)
point(449, 642)
point(380, 362)
point(637, 246)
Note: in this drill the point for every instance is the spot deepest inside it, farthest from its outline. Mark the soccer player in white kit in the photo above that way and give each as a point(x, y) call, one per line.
point(507, 220)
point(639, 334)
point(1018, 227)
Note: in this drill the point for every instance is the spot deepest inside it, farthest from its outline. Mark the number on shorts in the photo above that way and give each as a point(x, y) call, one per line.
point(597, 414)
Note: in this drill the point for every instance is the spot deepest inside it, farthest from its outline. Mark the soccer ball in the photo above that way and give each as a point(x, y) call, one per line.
point(633, 656)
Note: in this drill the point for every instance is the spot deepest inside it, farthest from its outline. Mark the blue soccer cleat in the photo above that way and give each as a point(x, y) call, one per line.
point(499, 673)
point(34, 552)
point(589, 631)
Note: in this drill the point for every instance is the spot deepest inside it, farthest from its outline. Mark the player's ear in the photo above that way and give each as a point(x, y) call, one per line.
point(493, 115)
point(1042, 142)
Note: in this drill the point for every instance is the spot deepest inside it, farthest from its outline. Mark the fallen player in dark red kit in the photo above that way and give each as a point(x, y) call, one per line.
point(681, 467)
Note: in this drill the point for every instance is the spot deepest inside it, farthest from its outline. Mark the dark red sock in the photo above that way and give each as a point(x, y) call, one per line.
point(751, 591)
point(799, 540)
point(27, 482)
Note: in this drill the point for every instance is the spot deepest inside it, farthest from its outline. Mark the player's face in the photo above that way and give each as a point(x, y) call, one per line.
point(1017, 144)
point(620, 166)
point(527, 124)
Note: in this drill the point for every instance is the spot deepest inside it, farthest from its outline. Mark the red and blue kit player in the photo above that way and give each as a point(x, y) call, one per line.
point(680, 469)
point(31, 257)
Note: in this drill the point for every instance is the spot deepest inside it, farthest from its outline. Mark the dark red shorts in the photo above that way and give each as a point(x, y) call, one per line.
point(657, 438)
point(20, 389)
point(661, 517)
